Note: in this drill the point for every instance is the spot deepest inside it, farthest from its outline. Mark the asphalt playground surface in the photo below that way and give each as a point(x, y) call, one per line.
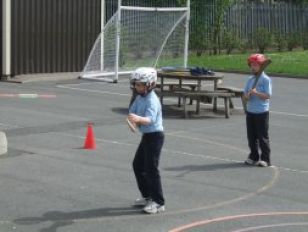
point(48, 183)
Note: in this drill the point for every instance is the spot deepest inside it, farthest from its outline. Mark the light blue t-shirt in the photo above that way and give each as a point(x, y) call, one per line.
point(264, 85)
point(148, 106)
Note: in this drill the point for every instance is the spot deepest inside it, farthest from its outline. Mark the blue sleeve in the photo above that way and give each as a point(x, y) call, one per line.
point(268, 86)
point(132, 108)
point(151, 111)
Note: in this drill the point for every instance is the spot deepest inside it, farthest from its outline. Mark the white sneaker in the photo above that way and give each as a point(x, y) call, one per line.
point(262, 163)
point(152, 207)
point(142, 201)
point(250, 162)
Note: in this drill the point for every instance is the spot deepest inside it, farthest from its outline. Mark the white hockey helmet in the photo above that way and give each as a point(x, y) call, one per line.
point(145, 75)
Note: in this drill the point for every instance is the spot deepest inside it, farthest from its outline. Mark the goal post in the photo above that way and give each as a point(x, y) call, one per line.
point(139, 36)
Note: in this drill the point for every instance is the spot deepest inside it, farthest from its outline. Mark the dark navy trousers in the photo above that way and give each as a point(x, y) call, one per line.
point(146, 164)
point(257, 134)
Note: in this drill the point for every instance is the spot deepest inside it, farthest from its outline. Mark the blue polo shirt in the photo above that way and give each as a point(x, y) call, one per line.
point(264, 85)
point(148, 106)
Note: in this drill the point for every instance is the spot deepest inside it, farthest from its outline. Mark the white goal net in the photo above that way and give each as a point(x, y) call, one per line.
point(136, 37)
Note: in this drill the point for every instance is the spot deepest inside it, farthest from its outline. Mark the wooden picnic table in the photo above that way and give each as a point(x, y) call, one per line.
point(181, 77)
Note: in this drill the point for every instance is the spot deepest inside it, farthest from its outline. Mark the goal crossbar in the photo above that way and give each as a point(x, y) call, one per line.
point(162, 9)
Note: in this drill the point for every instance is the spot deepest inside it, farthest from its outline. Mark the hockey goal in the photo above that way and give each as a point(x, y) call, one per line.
point(139, 36)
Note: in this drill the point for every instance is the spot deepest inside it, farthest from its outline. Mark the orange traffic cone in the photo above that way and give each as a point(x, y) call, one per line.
point(89, 142)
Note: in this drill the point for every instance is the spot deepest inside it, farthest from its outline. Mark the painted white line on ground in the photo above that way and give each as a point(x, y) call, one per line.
point(281, 113)
point(9, 126)
point(211, 142)
point(272, 226)
point(289, 114)
point(234, 217)
point(97, 139)
point(93, 91)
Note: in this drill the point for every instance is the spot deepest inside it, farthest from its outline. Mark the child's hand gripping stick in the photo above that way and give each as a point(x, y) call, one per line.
point(131, 125)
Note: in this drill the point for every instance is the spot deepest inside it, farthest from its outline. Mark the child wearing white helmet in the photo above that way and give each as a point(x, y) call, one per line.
point(146, 113)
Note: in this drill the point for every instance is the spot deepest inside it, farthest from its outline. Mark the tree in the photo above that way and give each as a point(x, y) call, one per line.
point(222, 5)
point(200, 36)
point(230, 40)
point(263, 39)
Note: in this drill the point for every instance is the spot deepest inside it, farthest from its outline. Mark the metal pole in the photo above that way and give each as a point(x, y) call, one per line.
point(186, 47)
point(103, 15)
point(118, 40)
point(6, 43)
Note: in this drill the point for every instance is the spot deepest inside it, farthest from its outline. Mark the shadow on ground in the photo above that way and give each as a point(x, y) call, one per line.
point(120, 110)
point(176, 112)
point(12, 153)
point(61, 219)
point(186, 169)
point(206, 167)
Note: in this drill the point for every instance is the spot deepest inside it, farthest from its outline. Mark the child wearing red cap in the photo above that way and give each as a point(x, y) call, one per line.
point(257, 113)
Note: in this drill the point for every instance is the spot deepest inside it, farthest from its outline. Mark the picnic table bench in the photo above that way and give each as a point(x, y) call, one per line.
point(183, 77)
point(173, 86)
point(199, 95)
point(238, 93)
